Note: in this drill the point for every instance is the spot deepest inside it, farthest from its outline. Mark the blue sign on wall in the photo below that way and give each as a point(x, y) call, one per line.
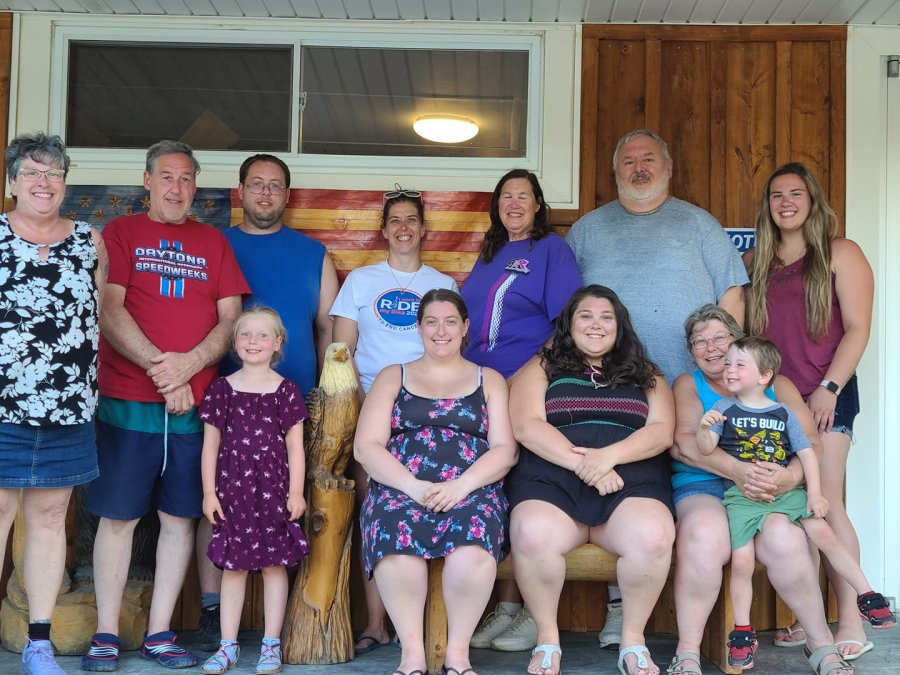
point(744, 238)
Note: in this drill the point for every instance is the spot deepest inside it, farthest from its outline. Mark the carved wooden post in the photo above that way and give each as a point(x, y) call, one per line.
point(317, 627)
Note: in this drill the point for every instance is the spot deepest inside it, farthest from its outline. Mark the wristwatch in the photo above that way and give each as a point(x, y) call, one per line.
point(830, 386)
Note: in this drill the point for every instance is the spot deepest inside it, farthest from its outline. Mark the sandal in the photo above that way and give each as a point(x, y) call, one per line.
point(863, 648)
point(638, 651)
point(784, 637)
point(225, 658)
point(815, 660)
point(548, 651)
point(677, 666)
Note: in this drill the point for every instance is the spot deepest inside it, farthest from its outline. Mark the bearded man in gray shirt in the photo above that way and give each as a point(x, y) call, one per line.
point(662, 256)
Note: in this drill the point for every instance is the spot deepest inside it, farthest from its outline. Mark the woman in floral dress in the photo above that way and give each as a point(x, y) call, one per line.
point(435, 438)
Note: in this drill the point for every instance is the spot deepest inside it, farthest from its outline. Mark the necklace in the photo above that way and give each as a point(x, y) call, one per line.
point(790, 260)
point(403, 288)
point(596, 374)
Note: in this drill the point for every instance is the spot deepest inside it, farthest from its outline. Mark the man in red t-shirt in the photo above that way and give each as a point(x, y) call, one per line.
point(174, 290)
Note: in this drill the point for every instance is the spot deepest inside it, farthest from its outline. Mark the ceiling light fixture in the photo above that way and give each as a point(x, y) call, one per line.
point(445, 128)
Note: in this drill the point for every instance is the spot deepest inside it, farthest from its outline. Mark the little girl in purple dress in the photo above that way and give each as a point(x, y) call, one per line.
point(253, 468)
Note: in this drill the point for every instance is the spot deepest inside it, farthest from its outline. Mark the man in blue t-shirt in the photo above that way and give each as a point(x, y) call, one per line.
point(292, 274)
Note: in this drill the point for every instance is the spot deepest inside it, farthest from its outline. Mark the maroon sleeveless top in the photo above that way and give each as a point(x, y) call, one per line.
point(803, 360)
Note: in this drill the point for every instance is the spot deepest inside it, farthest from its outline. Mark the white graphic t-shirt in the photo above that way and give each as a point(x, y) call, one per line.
point(386, 314)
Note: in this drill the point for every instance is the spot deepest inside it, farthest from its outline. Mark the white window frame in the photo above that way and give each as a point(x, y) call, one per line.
point(425, 37)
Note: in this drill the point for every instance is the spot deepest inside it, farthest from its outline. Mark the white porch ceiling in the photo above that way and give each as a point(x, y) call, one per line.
point(807, 12)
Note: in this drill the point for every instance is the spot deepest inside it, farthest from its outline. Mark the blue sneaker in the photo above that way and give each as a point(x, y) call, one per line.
point(37, 659)
point(161, 647)
point(103, 656)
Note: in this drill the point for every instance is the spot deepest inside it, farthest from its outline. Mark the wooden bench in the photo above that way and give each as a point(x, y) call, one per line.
point(592, 563)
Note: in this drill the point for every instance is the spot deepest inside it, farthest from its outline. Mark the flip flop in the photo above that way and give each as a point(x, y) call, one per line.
point(784, 637)
point(372, 646)
point(863, 648)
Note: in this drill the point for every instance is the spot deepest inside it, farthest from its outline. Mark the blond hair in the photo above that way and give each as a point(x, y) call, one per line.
point(277, 327)
point(819, 230)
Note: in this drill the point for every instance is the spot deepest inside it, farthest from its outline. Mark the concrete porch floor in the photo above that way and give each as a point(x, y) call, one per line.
point(581, 655)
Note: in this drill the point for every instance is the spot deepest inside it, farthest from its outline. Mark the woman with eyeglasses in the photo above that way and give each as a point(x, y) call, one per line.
point(811, 293)
point(594, 418)
point(702, 544)
point(51, 284)
point(521, 280)
point(375, 315)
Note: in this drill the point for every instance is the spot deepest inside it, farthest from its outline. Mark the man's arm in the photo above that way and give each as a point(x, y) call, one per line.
point(328, 289)
point(170, 370)
point(122, 331)
point(732, 301)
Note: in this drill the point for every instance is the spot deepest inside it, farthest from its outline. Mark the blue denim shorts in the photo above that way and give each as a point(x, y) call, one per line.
point(714, 487)
point(47, 457)
point(847, 408)
point(132, 480)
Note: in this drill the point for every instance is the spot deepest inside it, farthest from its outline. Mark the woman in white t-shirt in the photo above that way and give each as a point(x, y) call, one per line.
point(375, 315)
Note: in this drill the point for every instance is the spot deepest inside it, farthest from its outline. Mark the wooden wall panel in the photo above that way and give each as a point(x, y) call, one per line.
point(733, 102)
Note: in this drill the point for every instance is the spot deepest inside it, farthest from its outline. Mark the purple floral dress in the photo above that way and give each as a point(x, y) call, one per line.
point(252, 478)
point(436, 440)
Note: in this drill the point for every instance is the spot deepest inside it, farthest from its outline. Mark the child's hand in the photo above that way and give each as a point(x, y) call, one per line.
point(817, 505)
point(710, 419)
point(296, 505)
point(212, 508)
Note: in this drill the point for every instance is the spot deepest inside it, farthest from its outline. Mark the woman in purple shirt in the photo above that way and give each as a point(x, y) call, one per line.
point(522, 279)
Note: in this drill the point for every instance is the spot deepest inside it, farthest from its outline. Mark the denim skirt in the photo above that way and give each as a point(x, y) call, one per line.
point(47, 457)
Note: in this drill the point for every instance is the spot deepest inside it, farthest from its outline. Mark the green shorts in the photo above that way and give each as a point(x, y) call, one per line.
point(746, 517)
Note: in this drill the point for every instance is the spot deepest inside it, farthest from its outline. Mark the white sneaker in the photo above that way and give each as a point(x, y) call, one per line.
point(611, 635)
point(494, 625)
point(520, 636)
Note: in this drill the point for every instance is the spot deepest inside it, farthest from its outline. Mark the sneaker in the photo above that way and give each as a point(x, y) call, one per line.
point(161, 647)
point(103, 656)
point(209, 633)
point(520, 636)
point(493, 626)
point(269, 657)
point(611, 635)
point(876, 610)
point(225, 658)
point(742, 645)
point(37, 659)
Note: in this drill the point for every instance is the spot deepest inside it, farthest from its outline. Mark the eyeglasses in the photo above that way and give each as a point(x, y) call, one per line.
point(701, 344)
point(400, 192)
point(257, 187)
point(32, 175)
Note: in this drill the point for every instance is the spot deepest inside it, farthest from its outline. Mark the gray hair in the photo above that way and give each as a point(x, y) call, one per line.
point(170, 148)
point(637, 133)
point(707, 313)
point(39, 147)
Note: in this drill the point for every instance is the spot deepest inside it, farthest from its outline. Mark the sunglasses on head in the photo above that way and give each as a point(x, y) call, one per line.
point(400, 192)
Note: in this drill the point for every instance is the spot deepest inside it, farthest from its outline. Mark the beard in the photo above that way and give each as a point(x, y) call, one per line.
point(262, 220)
point(646, 192)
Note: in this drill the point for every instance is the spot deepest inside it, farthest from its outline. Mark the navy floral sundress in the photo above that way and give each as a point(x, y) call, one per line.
point(436, 440)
